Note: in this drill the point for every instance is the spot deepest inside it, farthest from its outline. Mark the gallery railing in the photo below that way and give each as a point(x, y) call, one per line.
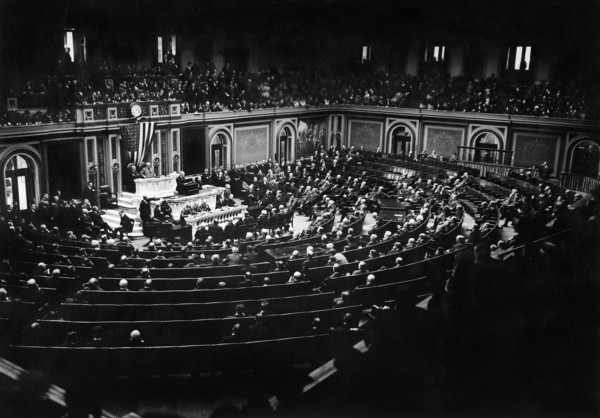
point(578, 182)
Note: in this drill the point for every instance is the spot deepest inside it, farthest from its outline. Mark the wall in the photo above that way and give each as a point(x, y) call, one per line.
point(456, 62)
point(493, 62)
point(185, 52)
point(542, 66)
point(251, 144)
point(412, 61)
point(533, 140)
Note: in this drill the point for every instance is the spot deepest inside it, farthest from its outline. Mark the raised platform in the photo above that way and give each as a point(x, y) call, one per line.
point(131, 201)
point(221, 215)
point(156, 186)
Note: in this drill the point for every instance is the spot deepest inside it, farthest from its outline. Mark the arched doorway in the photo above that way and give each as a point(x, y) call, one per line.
point(400, 140)
point(285, 143)
point(220, 151)
point(20, 181)
point(486, 146)
point(585, 158)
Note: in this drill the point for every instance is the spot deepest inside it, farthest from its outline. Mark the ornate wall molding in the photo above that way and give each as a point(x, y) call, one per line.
point(410, 125)
point(532, 148)
point(500, 132)
point(444, 140)
point(367, 133)
point(251, 144)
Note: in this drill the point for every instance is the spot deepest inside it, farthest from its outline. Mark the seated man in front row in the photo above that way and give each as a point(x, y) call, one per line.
point(203, 206)
point(185, 186)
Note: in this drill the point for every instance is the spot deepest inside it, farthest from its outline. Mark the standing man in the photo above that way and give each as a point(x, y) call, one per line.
point(89, 193)
point(146, 215)
point(180, 182)
point(185, 186)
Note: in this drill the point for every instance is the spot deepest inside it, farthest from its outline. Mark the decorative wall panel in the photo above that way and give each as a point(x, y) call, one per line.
point(365, 133)
point(443, 140)
point(251, 144)
point(534, 149)
point(102, 160)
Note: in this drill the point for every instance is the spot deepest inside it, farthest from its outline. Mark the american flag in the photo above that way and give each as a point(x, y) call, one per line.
point(136, 140)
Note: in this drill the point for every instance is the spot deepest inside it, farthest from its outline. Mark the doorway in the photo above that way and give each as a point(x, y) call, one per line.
point(285, 145)
point(19, 178)
point(400, 141)
point(219, 151)
point(486, 146)
point(193, 150)
point(64, 168)
point(585, 159)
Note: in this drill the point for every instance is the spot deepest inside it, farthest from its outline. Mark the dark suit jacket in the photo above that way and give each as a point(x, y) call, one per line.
point(145, 211)
point(180, 182)
point(126, 223)
point(90, 194)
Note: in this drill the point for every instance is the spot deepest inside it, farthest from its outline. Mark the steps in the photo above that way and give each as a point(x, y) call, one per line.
point(112, 217)
point(128, 201)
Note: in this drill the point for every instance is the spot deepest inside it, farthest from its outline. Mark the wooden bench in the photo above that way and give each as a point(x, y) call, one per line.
point(259, 355)
point(186, 311)
point(199, 331)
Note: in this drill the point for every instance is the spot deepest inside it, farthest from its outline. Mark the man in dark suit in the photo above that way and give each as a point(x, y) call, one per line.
point(89, 193)
point(248, 280)
point(187, 72)
point(216, 231)
point(146, 214)
point(205, 177)
point(235, 257)
point(181, 181)
point(186, 186)
point(126, 225)
point(96, 218)
point(230, 229)
point(251, 255)
point(276, 219)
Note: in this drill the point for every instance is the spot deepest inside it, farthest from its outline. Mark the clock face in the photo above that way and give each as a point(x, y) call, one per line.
point(136, 110)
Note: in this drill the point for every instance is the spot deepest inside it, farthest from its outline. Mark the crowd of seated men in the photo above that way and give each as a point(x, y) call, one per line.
point(235, 258)
point(202, 88)
point(312, 186)
point(64, 218)
point(497, 312)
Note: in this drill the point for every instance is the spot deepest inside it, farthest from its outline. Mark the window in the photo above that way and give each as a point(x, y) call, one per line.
point(160, 49)
point(521, 60)
point(439, 53)
point(69, 43)
point(83, 44)
point(173, 45)
point(366, 53)
point(167, 49)
point(436, 53)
